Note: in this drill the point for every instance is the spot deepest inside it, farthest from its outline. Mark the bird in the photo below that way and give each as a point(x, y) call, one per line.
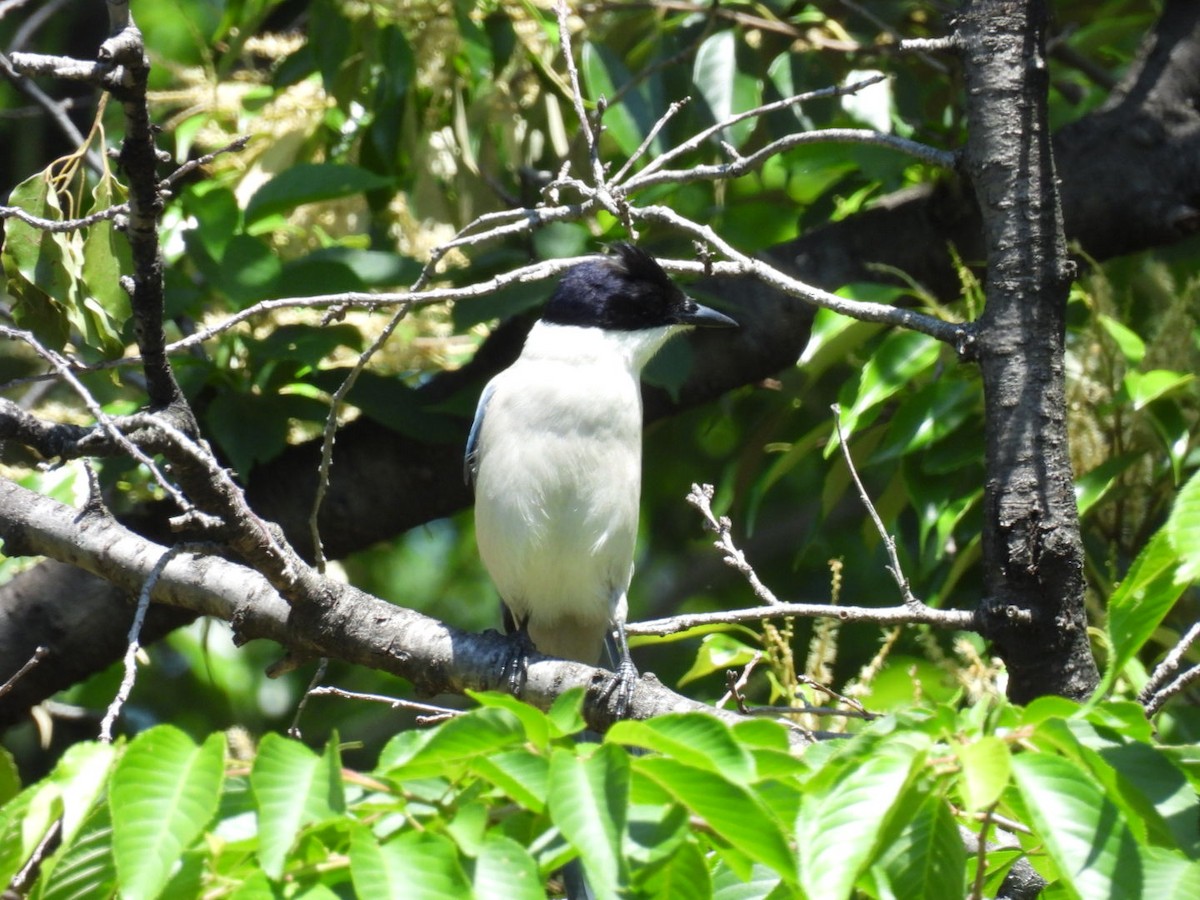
point(555, 456)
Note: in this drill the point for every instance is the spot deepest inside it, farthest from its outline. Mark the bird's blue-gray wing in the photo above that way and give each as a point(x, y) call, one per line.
point(471, 459)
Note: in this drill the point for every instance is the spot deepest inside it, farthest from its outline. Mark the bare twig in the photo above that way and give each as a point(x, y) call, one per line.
point(889, 542)
point(981, 855)
point(701, 496)
point(1176, 686)
point(318, 674)
point(330, 432)
point(429, 714)
point(1171, 663)
point(854, 705)
point(38, 655)
point(737, 683)
point(952, 619)
point(134, 645)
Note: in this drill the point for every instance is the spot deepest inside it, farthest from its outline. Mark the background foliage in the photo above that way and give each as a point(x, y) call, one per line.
point(375, 139)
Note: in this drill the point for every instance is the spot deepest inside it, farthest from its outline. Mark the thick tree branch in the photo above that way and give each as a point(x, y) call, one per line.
point(347, 624)
point(1032, 550)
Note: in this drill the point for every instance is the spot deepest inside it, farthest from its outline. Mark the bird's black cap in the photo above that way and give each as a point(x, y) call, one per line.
point(626, 291)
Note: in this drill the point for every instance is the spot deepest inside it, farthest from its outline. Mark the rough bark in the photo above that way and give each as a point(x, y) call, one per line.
point(1032, 549)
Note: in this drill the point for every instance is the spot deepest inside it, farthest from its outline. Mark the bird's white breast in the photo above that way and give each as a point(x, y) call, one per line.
point(559, 479)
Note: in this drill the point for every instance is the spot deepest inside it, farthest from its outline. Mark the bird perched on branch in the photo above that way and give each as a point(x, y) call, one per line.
point(555, 456)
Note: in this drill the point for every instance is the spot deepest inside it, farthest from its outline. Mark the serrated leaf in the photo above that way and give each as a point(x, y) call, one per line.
point(504, 870)
point(522, 775)
point(986, 768)
point(692, 738)
point(1183, 530)
point(414, 865)
point(310, 183)
point(588, 800)
point(461, 740)
point(293, 787)
point(684, 876)
point(927, 858)
point(1140, 602)
point(537, 725)
point(731, 810)
point(1092, 848)
point(839, 827)
point(164, 791)
point(86, 868)
point(760, 884)
point(34, 266)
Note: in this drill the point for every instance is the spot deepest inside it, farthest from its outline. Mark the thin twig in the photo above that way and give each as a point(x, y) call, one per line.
point(701, 497)
point(889, 542)
point(738, 683)
point(1176, 686)
point(319, 674)
point(854, 705)
point(1170, 664)
point(981, 855)
point(330, 432)
point(103, 420)
point(134, 645)
point(29, 665)
point(950, 619)
point(429, 713)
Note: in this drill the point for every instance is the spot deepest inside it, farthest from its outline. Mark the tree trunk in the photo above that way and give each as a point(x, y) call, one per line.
point(1032, 550)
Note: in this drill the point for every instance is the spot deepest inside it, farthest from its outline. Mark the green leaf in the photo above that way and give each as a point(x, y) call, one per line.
point(927, 858)
point(249, 271)
point(461, 740)
point(1091, 488)
point(1132, 347)
point(627, 121)
point(692, 738)
point(293, 787)
point(164, 791)
point(717, 652)
point(901, 357)
point(839, 828)
point(536, 723)
point(106, 256)
point(760, 884)
point(86, 868)
point(1168, 875)
point(1140, 603)
point(36, 265)
point(932, 413)
point(1183, 530)
point(522, 775)
point(684, 876)
point(986, 768)
point(414, 865)
point(1082, 830)
point(310, 183)
point(504, 870)
point(588, 800)
point(725, 88)
point(733, 812)
point(10, 778)
point(1146, 387)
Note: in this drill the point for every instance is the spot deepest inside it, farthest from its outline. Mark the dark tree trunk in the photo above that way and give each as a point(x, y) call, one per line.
point(1032, 551)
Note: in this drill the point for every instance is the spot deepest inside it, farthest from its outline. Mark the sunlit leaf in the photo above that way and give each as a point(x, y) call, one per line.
point(1092, 848)
point(293, 787)
point(164, 790)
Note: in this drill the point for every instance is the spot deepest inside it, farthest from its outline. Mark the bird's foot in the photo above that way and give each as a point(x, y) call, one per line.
point(620, 687)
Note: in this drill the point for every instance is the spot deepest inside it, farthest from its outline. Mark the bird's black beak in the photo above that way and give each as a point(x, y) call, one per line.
point(703, 317)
